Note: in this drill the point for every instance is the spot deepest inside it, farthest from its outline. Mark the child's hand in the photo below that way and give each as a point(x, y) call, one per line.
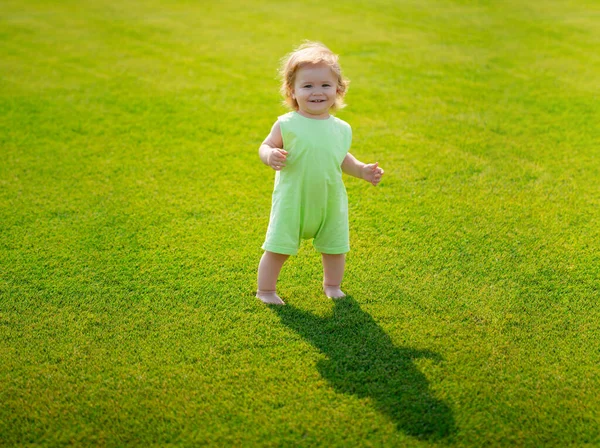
point(372, 173)
point(276, 158)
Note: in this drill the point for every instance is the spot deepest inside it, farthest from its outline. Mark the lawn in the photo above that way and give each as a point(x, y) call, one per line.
point(133, 206)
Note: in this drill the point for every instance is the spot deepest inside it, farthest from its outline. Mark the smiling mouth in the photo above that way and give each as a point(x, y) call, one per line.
point(317, 101)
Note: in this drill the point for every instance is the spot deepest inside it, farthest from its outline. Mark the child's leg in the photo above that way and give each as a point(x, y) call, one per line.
point(268, 272)
point(333, 273)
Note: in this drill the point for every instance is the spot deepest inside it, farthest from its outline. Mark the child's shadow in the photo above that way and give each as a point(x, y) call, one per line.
point(363, 361)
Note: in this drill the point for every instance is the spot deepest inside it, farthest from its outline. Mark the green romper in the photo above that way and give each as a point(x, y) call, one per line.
point(309, 198)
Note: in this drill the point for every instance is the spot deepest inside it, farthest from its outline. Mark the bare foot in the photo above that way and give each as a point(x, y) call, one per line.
point(333, 292)
point(269, 297)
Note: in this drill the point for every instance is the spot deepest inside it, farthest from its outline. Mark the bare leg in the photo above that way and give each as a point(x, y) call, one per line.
point(268, 272)
point(333, 273)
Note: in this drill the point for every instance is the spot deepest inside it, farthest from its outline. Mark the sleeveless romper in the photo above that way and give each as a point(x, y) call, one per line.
point(309, 198)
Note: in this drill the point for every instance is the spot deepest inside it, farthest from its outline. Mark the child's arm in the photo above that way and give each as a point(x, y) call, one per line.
point(369, 172)
point(271, 151)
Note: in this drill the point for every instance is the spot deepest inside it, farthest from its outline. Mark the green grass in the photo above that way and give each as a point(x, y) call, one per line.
point(133, 206)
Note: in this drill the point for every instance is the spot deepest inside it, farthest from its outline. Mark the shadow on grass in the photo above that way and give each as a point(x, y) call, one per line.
point(363, 361)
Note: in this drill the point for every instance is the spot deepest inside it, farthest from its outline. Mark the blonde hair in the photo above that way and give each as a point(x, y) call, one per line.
point(310, 53)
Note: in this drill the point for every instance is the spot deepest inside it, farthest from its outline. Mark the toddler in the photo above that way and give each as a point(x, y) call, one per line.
point(308, 149)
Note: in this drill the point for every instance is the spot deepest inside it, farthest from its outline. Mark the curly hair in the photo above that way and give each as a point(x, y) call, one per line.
point(310, 53)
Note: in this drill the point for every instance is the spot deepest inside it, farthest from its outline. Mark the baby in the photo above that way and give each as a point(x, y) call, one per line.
point(308, 149)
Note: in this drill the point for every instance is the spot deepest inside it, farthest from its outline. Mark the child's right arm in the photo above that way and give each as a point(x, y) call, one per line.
point(271, 151)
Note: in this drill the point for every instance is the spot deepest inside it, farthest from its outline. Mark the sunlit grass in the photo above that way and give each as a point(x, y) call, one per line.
point(133, 206)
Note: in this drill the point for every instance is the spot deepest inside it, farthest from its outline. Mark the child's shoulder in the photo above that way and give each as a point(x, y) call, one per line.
point(342, 124)
point(286, 117)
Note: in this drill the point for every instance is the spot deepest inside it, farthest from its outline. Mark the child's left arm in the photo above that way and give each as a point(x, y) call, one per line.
point(369, 172)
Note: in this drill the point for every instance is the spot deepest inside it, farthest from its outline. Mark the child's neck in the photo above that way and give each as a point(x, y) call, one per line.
point(314, 117)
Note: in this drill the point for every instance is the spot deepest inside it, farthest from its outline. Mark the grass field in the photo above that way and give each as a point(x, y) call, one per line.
point(133, 206)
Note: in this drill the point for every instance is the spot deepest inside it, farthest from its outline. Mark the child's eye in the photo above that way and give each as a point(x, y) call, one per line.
point(308, 86)
point(326, 85)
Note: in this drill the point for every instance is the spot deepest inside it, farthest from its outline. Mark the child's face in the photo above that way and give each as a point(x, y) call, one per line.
point(315, 90)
